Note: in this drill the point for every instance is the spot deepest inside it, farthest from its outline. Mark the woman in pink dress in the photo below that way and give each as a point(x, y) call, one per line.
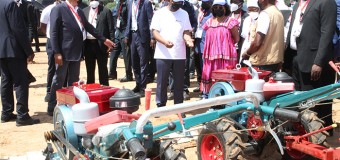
point(219, 49)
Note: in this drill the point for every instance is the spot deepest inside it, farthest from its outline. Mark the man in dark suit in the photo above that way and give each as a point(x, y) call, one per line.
point(138, 35)
point(68, 31)
point(15, 50)
point(101, 18)
point(121, 16)
point(310, 37)
point(33, 24)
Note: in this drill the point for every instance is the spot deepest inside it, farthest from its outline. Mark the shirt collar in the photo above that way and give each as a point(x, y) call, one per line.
point(19, 2)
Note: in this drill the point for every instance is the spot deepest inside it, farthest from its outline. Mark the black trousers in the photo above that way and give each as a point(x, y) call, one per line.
point(186, 74)
point(120, 48)
point(303, 83)
point(198, 61)
point(33, 34)
point(140, 59)
point(163, 70)
point(93, 53)
point(14, 76)
point(51, 65)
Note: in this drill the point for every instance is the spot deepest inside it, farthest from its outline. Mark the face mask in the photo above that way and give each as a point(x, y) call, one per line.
point(218, 12)
point(205, 6)
point(94, 4)
point(233, 7)
point(155, 2)
point(253, 15)
point(175, 6)
point(193, 2)
point(199, 3)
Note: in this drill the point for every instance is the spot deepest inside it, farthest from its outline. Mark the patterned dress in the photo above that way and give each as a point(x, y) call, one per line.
point(219, 49)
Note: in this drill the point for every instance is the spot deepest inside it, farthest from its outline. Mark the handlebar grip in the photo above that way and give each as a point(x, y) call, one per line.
point(285, 114)
point(136, 148)
point(331, 63)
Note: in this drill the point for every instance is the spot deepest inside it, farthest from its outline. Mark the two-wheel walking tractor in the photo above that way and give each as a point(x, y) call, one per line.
point(248, 117)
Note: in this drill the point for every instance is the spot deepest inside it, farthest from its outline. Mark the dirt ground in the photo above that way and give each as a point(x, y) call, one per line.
point(16, 141)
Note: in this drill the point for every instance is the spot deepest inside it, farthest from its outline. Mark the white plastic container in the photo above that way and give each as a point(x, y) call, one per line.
point(83, 111)
point(255, 86)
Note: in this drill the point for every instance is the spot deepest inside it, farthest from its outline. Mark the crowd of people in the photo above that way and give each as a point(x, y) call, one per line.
point(171, 38)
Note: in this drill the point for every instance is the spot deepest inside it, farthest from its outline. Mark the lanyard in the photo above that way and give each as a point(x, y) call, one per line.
point(135, 9)
point(94, 14)
point(75, 13)
point(120, 10)
point(304, 6)
point(202, 14)
point(303, 9)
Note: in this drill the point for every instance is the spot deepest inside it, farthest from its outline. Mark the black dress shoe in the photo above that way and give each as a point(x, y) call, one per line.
point(26, 122)
point(8, 118)
point(142, 94)
point(126, 79)
point(50, 113)
point(112, 77)
point(136, 90)
point(47, 97)
point(197, 89)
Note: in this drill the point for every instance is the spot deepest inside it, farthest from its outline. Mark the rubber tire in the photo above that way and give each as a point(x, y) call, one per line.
point(311, 123)
point(229, 140)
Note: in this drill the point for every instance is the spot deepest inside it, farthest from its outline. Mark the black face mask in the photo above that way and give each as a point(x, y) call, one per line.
point(206, 6)
point(175, 7)
point(218, 12)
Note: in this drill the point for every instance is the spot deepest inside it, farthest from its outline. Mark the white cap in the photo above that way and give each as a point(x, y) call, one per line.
point(219, 2)
point(193, 2)
point(178, 0)
point(252, 3)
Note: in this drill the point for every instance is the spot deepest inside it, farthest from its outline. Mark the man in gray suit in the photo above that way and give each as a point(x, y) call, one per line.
point(310, 37)
point(15, 51)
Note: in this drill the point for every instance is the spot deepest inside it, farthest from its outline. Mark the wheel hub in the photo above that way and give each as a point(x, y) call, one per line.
point(211, 148)
point(252, 123)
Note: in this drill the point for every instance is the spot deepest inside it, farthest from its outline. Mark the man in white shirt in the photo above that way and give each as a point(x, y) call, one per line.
point(171, 29)
point(45, 27)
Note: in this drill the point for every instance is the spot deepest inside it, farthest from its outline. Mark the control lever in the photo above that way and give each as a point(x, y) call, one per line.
point(185, 133)
point(171, 126)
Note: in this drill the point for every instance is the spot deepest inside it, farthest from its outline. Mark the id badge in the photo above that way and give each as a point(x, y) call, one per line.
point(199, 33)
point(118, 23)
point(297, 31)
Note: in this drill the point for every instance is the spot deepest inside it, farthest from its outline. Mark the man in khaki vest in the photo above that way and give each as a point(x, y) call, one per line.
point(266, 51)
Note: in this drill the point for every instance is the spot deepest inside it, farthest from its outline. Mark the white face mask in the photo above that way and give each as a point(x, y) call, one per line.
point(94, 4)
point(253, 15)
point(233, 7)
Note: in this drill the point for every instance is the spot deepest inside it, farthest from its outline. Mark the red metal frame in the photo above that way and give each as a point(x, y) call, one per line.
point(300, 143)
